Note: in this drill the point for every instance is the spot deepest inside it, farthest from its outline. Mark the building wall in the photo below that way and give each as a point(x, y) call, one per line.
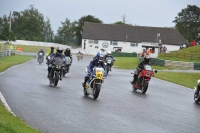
point(127, 47)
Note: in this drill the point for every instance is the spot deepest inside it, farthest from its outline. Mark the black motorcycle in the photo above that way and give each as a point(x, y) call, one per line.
point(65, 68)
point(109, 62)
point(197, 94)
point(56, 71)
point(40, 57)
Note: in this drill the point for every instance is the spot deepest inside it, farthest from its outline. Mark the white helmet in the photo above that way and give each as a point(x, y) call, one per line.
point(109, 52)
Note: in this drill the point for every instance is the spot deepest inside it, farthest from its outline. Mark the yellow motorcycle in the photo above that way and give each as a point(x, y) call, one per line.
point(93, 85)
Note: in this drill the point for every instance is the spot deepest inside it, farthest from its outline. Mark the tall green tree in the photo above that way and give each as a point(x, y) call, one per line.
point(188, 22)
point(65, 33)
point(48, 34)
point(5, 34)
point(28, 24)
point(80, 24)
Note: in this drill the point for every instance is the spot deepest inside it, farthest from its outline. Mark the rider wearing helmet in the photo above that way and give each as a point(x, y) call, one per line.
point(41, 51)
point(109, 55)
point(67, 53)
point(50, 51)
point(140, 67)
point(59, 53)
point(94, 63)
point(97, 55)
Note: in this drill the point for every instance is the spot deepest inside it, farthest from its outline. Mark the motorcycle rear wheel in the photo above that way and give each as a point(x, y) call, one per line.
point(145, 87)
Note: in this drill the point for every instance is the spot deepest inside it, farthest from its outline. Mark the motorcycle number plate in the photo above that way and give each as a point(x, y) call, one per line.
point(99, 75)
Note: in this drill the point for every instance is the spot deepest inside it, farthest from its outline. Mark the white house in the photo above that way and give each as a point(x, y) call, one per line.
point(124, 38)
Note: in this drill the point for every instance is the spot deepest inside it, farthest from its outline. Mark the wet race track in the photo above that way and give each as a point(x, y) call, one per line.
point(165, 108)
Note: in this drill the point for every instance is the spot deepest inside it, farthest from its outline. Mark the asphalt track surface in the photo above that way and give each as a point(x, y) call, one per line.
point(165, 108)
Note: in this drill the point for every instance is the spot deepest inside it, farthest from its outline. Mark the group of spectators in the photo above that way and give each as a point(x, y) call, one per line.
point(193, 43)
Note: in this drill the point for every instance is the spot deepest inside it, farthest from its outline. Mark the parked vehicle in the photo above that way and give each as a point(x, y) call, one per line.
point(144, 77)
point(93, 85)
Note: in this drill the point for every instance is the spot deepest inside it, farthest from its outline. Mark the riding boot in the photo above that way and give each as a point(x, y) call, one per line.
point(135, 79)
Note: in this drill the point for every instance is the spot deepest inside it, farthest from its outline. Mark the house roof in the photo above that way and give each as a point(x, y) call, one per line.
point(129, 33)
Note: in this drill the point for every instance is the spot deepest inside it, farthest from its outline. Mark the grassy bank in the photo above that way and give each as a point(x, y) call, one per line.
point(8, 122)
point(132, 62)
point(184, 79)
point(6, 62)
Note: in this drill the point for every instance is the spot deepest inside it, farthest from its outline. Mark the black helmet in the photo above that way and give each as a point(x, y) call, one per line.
point(52, 47)
point(59, 50)
point(67, 50)
point(146, 58)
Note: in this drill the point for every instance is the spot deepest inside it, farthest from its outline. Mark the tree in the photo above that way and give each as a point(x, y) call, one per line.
point(28, 24)
point(48, 34)
point(80, 23)
point(188, 22)
point(66, 33)
point(5, 34)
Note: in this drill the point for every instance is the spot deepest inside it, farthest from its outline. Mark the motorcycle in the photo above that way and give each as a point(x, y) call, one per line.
point(40, 58)
point(65, 68)
point(79, 56)
point(144, 77)
point(93, 85)
point(109, 62)
point(197, 96)
point(55, 71)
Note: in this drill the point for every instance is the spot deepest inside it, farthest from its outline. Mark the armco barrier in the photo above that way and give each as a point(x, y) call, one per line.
point(121, 54)
point(196, 66)
point(155, 61)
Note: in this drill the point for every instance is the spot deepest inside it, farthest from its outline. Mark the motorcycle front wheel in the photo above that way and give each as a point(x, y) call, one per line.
point(145, 87)
point(96, 91)
point(56, 79)
point(196, 98)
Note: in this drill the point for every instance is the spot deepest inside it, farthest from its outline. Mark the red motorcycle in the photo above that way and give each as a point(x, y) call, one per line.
point(144, 77)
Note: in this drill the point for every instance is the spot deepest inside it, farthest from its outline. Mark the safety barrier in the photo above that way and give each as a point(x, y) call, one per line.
point(121, 54)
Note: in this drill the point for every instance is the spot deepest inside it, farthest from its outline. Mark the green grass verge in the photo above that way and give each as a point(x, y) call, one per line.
point(9, 61)
point(132, 63)
point(184, 79)
point(8, 122)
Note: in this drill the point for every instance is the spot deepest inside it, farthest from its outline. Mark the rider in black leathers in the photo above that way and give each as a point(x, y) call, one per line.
point(41, 51)
point(59, 53)
point(109, 55)
point(198, 89)
point(140, 67)
point(67, 53)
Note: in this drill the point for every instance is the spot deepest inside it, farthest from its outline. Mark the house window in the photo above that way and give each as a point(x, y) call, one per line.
point(93, 41)
point(96, 41)
point(113, 42)
point(133, 44)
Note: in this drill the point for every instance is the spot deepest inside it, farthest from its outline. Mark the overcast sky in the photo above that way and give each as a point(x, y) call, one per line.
point(156, 13)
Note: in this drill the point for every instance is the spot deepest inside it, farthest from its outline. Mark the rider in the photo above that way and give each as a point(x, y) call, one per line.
point(97, 55)
point(59, 53)
point(94, 63)
point(67, 53)
point(140, 67)
point(198, 88)
point(41, 51)
point(109, 55)
point(50, 51)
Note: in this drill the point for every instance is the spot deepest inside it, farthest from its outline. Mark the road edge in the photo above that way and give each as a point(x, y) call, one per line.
point(2, 99)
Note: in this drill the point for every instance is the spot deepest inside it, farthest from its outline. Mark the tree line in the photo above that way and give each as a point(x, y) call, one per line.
point(31, 25)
